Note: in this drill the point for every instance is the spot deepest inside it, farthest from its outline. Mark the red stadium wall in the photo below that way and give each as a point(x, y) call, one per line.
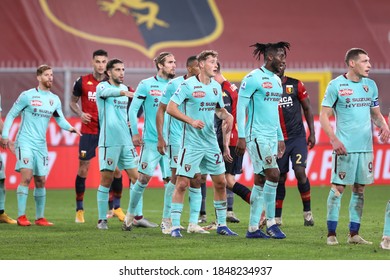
point(63, 161)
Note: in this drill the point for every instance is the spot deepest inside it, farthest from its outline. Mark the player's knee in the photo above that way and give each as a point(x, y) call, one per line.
point(143, 179)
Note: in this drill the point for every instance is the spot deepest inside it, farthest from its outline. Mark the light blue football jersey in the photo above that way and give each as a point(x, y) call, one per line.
point(174, 126)
point(351, 103)
point(36, 107)
point(199, 103)
point(258, 100)
point(148, 95)
point(112, 110)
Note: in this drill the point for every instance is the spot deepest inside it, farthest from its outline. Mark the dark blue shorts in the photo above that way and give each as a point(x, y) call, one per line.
point(87, 146)
point(296, 151)
point(234, 167)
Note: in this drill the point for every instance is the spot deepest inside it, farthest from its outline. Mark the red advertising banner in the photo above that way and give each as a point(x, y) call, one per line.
point(63, 161)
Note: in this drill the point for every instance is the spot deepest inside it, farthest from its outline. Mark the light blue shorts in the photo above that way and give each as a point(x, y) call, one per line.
point(173, 153)
point(36, 159)
point(125, 157)
point(149, 159)
point(263, 154)
point(353, 168)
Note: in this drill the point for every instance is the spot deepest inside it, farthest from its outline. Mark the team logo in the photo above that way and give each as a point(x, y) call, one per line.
point(365, 88)
point(36, 103)
point(267, 85)
point(25, 160)
point(175, 159)
point(83, 154)
point(289, 89)
point(187, 167)
point(268, 159)
point(144, 165)
point(51, 102)
point(215, 91)
point(146, 26)
point(198, 94)
point(90, 83)
point(342, 175)
point(110, 161)
point(345, 92)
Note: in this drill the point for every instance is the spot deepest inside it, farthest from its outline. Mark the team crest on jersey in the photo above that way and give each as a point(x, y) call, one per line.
point(144, 165)
point(365, 88)
point(289, 89)
point(342, 175)
point(215, 91)
point(36, 103)
point(175, 159)
point(198, 94)
point(268, 159)
point(267, 85)
point(146, 26)
point(25, 160)
point(110, 161)
point(51, 102)
point(187, 167)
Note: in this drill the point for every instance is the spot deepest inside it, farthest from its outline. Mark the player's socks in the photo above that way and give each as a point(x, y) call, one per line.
point(195, 197)
point(102, 201)
point(220, 210)
point(278, 208)
point(116, 187)
point(177, 208)
point(204, 196)
point(304, 190)
point(280, 195)
point(136, 193)
point(333, 211)
point(111, 199)
point(2, 195)
point(40, 202)
point(256, 206)
point(242, 192)
point(386, 229)
point(168, 193)
point(355, 212)
point(80, 190)
point(230, 199)
point(21, 195)
point(269, 201)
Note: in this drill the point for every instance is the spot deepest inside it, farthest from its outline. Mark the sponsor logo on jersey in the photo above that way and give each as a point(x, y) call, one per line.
point(365, 88)
point(289, 89)
point(342, 175)
point(36, 103)
point(267, 85)
point(345, 92)
point(155, 92)
point(91, 96)
point(187, 167)
point(198, 94)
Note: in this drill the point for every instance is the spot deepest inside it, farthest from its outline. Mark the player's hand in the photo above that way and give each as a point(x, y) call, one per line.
point(137, 140)
point(198, 124)
point(281, 148)
point(338, 147)
point(241, 146)
point(75, 130)
point(11, 146)
point(311, 141)
point(384, 134)
point(129, 94)
point(161, 146)
point(226, 155)
point(4, 143)
point(86, 118)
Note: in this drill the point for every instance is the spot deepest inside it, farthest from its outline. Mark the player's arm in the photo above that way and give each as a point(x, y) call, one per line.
point(337, 145)
point(242, 105)
point(380, 122)
point(226, 134)
point(159, 126)
point(136, 103)
point(307, 111)
point(61, 120)
point(173, 110)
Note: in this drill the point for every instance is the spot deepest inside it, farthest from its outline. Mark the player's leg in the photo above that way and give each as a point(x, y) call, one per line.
point(232, 169)
point(40, 201)
point(385, 243)
point(115, 195)
point(280, 195)
point(203, 212)
point(4, 218)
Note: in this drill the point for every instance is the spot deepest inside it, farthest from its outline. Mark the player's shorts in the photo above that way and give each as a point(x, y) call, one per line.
point(36, 159)
point(352, 168)
point(173, 154)
point(263, 153)
point(125, 157)
point(234, 167)
point(149, 159)
point(87, 146)
point(2, 167)
point(208, 161)
point(296, 151)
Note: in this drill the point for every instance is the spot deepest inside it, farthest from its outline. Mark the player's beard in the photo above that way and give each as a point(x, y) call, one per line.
point(168, 75)
point(118, 81)
point(47, 84)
